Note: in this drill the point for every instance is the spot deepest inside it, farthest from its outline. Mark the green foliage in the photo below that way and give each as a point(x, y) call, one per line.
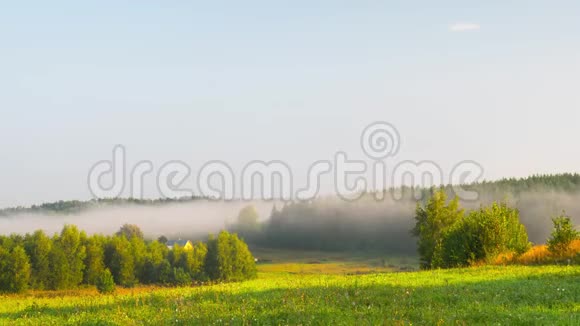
point(105, 282)
point(180, 277)
point(139, 253)
point(562, 235)
point(58, 265)
point(74, 253)
point(212, 262)
point(71, 258)
point(229, 259)
point(155, 256)
point(432, 221)
point(482, 236)
point(197, 263)
point(5, 273)
point(164, 272)
point(94, 260)
point(120, 261)
point(190, 261)
point(38, 247)
point(14, 270)
point(130, 231)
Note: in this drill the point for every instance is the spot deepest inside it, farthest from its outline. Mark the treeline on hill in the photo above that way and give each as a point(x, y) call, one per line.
point(71, 258)
point(367, 224)
point(77, 206)
point(449, 237)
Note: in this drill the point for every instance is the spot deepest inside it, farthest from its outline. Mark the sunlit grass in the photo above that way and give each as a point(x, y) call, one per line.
point(327, 268)
point(508, 295)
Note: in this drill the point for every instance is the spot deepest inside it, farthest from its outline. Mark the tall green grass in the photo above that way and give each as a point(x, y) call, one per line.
point(506, 295)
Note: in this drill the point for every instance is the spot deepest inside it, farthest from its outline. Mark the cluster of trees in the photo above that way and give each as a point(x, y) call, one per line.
point(449, 237)
point(367, 224)
point(333, 225)
point(72, 258)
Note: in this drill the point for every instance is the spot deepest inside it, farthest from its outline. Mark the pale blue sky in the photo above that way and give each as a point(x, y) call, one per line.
point(292, 81)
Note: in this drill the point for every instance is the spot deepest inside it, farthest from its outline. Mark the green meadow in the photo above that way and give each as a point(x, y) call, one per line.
point(296, 294)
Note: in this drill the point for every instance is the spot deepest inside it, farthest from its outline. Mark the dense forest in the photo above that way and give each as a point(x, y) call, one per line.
point(328, 223)
point(72, 259)
point(367, 224)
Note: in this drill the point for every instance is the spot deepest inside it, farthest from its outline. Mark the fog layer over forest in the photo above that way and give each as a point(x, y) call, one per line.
point(195, 219)
point(327, 223)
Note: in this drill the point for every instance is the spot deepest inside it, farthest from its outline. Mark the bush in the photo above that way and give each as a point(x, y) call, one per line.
point(541, 255)
point(562, 236)
point(229, 259)
point(432, 221)
point(481, 237)
point(106, 283)
point(181, 277)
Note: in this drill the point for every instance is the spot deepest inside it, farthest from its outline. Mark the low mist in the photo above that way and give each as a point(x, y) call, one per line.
point(193, 220)
point(326, 221)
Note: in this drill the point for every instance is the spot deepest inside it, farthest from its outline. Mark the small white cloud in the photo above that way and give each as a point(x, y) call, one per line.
point(464, 27)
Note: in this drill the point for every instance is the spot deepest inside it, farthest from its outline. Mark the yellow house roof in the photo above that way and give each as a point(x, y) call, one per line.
point(185, 244)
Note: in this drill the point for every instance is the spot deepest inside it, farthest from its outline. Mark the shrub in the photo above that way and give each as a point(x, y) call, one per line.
point(229, 259)
point(482, 236)
point(431, 222)
point(106, 283)
point(539, 255)
point(181, 277)
point(562, 236)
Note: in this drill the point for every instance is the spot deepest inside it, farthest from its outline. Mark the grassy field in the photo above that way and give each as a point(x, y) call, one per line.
point(506, 295)
point(324, 262)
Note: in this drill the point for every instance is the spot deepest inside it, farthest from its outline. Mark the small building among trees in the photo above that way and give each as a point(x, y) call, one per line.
point(185, 244)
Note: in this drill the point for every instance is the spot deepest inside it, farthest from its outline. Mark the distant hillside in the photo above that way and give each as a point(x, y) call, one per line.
point(565, 183)
point(77, 206)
